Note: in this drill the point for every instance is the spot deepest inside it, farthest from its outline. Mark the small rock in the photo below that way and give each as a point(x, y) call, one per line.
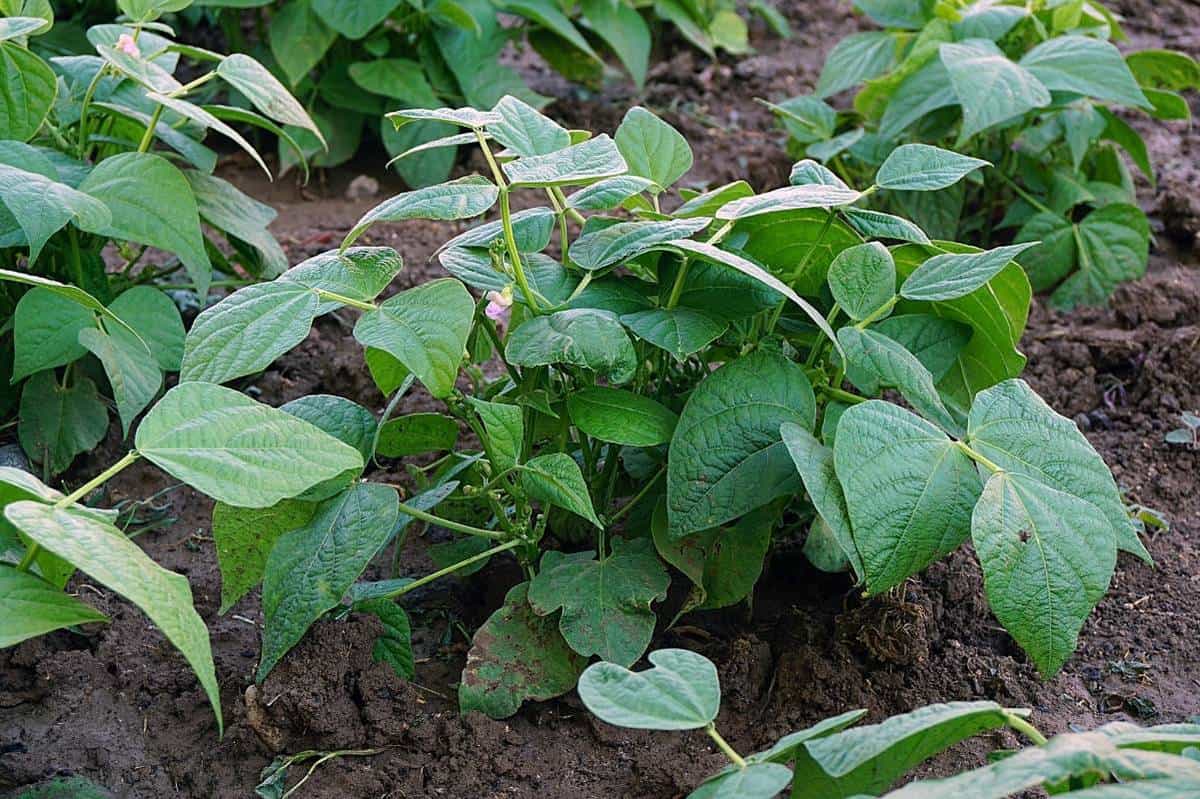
point(362, 187)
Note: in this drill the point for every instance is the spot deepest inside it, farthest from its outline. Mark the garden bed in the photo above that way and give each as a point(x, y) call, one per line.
point(121, 707)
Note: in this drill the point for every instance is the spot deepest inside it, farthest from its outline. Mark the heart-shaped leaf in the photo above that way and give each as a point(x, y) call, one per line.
point(680, 692)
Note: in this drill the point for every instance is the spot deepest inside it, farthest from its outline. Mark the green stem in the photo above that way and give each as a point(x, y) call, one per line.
point(148, 136)
point(429, 578)
point(628, 506)
point(878, 313)
point(724, 746)
point(489, 327)
point(510, 240)
point(1025, 728)
point(83, 111)
point(677, 288)
point(1024, 195)
point(978, 458)
point(344, 300)
point(457, 527)
point(187, 87)
point(573, 214)
point(833, 392)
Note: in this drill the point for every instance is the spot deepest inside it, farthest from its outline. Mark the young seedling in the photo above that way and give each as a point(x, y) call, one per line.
point(836, 760)
point(1189, 434)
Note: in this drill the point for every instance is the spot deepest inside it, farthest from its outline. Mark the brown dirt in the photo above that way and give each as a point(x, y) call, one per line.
point(119, 706)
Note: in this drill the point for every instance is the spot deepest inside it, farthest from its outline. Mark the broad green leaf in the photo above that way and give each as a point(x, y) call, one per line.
point(473, 57)
point(810, 195)
point(132, 371)
point(397, 78)
point(652, 148)
point(856, 58)
point(936, 342)
point(394, 644)
point(138, 68)
point(46, 329)
point(555, 479)
point(195, 153)
point(680, 331)
point(681, 691)
point(505, 429)
point(996, 314)
point(549, 15)
point(42, 206)
point(354, 20)
point(360, 273)
point(245, 332)
point(755, 781)
point(898, 13)
point(677, 13)
point(990, 88)
point(581, 337)
point(425, 328)
point(516, 655)
point(416, 434)
point(231, 211)
point(808, 171)
point(727, 457)
point(531, 229)
point(707, 203)
point(920, 167)
point(155, 318)
point(29, 607)
point(387, 372)
point(717, 255)
point(458, 199)
point(344, 419)
point(207, 120)
point(236, 450)
point(1047, 559)
point(796, 245)
point(1089, 757)
point(784, 750)
point(56, 423)
point(807, 119)
point(72, 293)
point(988, 22)
point(909, 490)
point(462, 117)
point(608, 193)
point(867, 760)
point(876, 224)
point(621, 417)
point(298, 39)
point(422, 137)
point(1014, 428)
point(244, 538)
point(724, 563)
point(16, 485)
point(266, 93)
point(918, 95)
point(616, 243)
point(1084, 65)
point(814, 462)
point(952, 275)
point(1164, 69)
point(310, 569)
point(622, 29)
point(152, 203)
point(580, 164)
point(525, 130)
point(823, 549)
point(106, 555)
point(16, 27)
point(1167, 105)
point(888, 363)
point(1112, 246)
point(605, 603)
point(862, 279)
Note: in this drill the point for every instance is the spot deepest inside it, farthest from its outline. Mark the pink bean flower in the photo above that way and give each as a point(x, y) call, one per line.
point(499, 304)
point(127, 45)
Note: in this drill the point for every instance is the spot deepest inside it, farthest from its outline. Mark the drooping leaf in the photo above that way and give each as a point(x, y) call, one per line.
point(225, 207)
point(133, 373)
point(909, 490)
point(359, 273)
point(921, 167)
point(581, 337)
point(458, 199)
point(237, 450)
point(653, 148)
point(266, 93)
point(56, 423)
point(206, 121)
point(862, 279)
point(936, 342)
point(29, 607)
point(42, 206)
point(310, 569)
point(245, 332)
point(106, 555)
point(814, 462)
point(555, 479)
point(876, 224)
point(151, 203)
point(516, 655)
point(425, 328)
point(155, 318)
point(622, 29)
point(621, 417)
point(727, 457)
point(244, 538)
point(1014, 428)
point(394, 645)
point(1047, 559)
point(886, 362)
point(681, 691)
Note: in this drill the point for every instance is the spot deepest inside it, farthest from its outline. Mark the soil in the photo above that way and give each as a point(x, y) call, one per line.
point(119, 706)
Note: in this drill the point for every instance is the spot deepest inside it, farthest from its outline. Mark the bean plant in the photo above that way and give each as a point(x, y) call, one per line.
point(836, 760)
point(352, 61)
point(671, 386)
point(83, 183)
point(1033, 87)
